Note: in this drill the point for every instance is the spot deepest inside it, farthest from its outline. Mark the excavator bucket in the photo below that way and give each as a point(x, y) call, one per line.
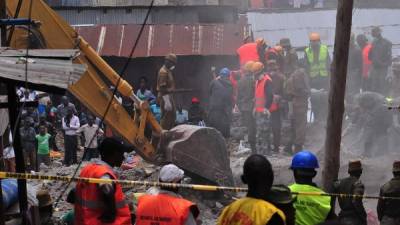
point(199, 151)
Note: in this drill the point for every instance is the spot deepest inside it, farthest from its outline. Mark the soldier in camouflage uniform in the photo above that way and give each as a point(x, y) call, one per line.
point(389, 209)
point(166, 88)
point(352, 209)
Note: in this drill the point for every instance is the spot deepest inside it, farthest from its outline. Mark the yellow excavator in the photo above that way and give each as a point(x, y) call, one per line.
point(200, 151)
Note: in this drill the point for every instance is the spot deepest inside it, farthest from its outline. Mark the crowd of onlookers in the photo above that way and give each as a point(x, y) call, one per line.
point(43, 128)
point(57, 123)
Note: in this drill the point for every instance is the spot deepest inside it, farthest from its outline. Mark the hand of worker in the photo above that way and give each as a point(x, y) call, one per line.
point(389, 78)
point(267, 112)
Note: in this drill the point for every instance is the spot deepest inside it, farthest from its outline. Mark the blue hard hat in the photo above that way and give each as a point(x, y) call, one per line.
point(304, 160)
point(224, 72)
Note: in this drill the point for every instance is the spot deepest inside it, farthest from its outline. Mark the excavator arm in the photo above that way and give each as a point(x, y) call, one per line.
point(180, 146)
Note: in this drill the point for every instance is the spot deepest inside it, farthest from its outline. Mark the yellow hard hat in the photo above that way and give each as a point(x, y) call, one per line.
point(248, 66)
point(314, 36)
point(260, 42)
point(257, 67)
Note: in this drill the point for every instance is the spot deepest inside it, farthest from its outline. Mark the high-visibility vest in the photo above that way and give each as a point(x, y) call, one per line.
point(249, 211)
point(162, 209)
point(88, 204)
point(248, 52)
point(260, 97)
point(318, 68)
point(366, 62)
point(310, 210)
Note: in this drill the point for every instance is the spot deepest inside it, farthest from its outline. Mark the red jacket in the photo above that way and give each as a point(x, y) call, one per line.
point(366, 62)
point(248, 52)
point(88, 204)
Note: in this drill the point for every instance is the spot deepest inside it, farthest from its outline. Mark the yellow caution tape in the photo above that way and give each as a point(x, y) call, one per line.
point(197, 187)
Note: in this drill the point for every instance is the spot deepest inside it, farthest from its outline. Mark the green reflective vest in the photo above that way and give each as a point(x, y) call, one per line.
point(318, 68)
point(310, 210)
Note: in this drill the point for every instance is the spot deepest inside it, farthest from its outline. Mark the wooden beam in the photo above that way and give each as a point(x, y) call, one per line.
point(3, 15)
point(336, 93)
point(33, 104)
point(19, 157)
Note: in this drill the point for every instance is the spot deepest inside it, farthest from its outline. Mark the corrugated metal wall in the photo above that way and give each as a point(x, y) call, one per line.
point(113, 3)
point(178, 15)
point(192, 72)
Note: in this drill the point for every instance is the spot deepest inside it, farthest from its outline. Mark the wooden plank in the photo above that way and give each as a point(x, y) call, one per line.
point(58, 73)
point(44, 53)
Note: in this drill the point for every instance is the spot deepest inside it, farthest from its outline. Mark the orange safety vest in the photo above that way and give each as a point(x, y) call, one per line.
point(88, 204)
point(248, 52)
point(260, 95)
point(256, 4)
point(366, 62)
point(162, 209)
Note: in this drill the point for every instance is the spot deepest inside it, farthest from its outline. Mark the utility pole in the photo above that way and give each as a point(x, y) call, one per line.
point(336, 93)
point(3, 15)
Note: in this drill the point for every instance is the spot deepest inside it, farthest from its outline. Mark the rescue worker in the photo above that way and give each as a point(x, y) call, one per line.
point(263, 106)
point(297, 92)
point(246, 103)
point(254, 209)
point(165, 205)
point(166, 88)
point(381, 57)
point(394, 91)
point(374, 120)
point(310, 210)
point(354, 70)
point(290, 58)
point(278, 80)
point(281, 197)
point(197, 114)
point(254, 51)
point(365, 47)
point(221, 103)
point(352, 209)
point(102, 203)
point(274, 53)
point(389, 209)
point(318, 63)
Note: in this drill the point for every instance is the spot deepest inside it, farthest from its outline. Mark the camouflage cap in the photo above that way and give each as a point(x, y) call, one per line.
point(44, 198)
point(280, 194)
point(284, 42)
point(355, 165)
point(396, 166)
point(172, 57)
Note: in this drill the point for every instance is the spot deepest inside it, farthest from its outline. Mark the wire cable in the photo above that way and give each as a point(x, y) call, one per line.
point(122, 73)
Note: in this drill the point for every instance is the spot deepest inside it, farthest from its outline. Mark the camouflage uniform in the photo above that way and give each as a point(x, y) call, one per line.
point(389, 209)
point(165, 87)
point(298, 91)
point(263, 134)
point(352, 209)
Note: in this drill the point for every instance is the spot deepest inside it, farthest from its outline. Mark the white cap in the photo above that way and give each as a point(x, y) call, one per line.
point(171, 173)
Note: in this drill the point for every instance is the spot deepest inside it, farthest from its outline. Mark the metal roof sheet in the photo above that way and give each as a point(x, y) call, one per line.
point(121, 3)
point(159, 40)
point(45, 67)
